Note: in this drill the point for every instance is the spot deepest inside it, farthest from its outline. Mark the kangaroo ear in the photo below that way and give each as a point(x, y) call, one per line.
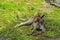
point(42, 16)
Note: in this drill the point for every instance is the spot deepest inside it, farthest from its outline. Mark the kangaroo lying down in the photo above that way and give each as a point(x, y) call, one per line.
point(36, 21)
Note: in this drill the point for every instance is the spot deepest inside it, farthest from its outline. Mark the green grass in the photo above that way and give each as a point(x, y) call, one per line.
point(8, 19)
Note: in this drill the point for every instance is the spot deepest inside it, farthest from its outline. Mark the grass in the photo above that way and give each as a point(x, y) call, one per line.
point(25, 9)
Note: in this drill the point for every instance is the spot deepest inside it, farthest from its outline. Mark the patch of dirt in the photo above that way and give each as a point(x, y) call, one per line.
point(2, 38)
point(52, 38)
point(46, 9)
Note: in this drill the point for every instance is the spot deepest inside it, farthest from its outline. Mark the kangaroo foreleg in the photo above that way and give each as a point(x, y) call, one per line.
point(42, 28)
point(35, 27)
